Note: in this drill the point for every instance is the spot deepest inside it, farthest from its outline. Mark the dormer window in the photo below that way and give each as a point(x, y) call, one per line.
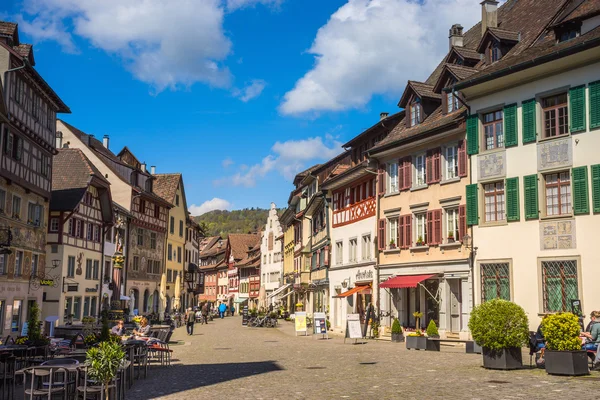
point(495, 53)
point(568, 35)
point(148, 185)
point(415, 112)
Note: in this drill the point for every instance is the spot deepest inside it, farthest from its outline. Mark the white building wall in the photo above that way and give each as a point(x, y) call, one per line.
point(271, 269)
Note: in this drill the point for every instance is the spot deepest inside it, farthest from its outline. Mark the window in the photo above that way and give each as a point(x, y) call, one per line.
point(556, 115)
point(34, 214)
point(415, 112)
point(3, 266)
point(149, 266)
point(136, 263)
point(45, 168)
point(176, 199)
point(393, 232)
point(79, 228)
point(86, 306)
point(54, 224)
point(339, 253)
point(18, 263)
point(495, 53)
point(93, 306)
point(568, 35)
point(559, 280)
point(96, 270)
point(90, 231)
point(420, 170)
point(140, 237)
point(169, 275)
point(13, 145)
point(451, 160)
point(88, 268)
point(392, 177)
point(2, 200)
point(156, 269)
point(153, 240)
point(495, 281)
point(452, 101)
point(180, 228)
point(352, 251)
point(172, 226)
point(494, 202)
point(493, 130)
point(421, 228)
point(452, 225)
point(97, 233)
point(156, 211)
point(34, 265)
point(77, 308)
point(170, 252)
point(71, 267)
point(366, 247)
point(68, 306)
point(558, 193)
point(16, 207)
point(179, 255)
point(15, 325)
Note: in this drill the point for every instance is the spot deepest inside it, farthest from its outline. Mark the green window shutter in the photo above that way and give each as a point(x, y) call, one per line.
point(510, 125)
point(529, 130)
point(473, 134)
point(581, 203)
point(596, 187)
point(512, 199)
point(530, 184)
point(577, 109)
point(594, 89)
point(472, 205)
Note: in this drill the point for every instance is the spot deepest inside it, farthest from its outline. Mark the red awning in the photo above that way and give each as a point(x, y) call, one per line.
point(405, 281)
point(355, 289)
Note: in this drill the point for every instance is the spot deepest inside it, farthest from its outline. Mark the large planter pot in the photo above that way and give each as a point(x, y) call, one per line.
point(397, 337)
point(416, 342)
point(572, 363)
point(472, 348)
point(504, 359)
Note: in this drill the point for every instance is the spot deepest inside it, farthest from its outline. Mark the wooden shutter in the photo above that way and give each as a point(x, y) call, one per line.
point(577, 108)
point(581, 204)
point(528, 122)
point(381, 180)
point(462, 158)
point(429, 167)
point(462, 222)
point(596, 187)
point(437, 165)
point(408, 231)
point(406, 180)
point(400, 174)
point(429, 236)
point(400, 239)
point(472, 205)
point(437, 226)
point(510, 125)
point(512, 199)
point(530, 185)
point(381, 234)
point(473, 134)
point(594, 89)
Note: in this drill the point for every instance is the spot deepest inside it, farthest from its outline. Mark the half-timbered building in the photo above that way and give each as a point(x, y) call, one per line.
point(238, 247)
point(27, 145)
point(212, 258)
point(193, 236)
point(80, 215)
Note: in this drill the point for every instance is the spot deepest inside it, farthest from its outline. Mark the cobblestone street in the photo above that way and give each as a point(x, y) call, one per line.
point(225, 361)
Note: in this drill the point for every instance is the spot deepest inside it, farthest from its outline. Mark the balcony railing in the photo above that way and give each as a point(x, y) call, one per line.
point(355, 212)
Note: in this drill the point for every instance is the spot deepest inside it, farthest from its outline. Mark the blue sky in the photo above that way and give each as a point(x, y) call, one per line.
point(238, 95)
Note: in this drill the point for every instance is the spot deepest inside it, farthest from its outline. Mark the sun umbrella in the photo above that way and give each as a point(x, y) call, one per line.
point(163, 293)
point(176, 300)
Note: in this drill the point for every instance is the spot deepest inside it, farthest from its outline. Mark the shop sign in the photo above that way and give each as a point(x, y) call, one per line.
point(366, 275)
point(91, 289)
point(320, 323)
point(46, 282)
point(300, 322)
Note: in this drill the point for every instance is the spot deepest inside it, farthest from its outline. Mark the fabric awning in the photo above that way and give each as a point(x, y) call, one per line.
point(281, 289)
point(355, 289)
point(405, 281)
point(288, 294)
point(240, 300)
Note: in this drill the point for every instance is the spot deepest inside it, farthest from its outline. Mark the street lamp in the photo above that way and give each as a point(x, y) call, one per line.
point(55, 263)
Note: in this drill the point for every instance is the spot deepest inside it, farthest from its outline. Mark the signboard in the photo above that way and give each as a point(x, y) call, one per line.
point(300, 322)
point(320, 323)
point(25, 328)
point(353, 330)
point(46, 282)
point(245, 316)
point(576, 307)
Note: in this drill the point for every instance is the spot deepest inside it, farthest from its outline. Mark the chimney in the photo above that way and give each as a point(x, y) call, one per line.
point(143, 167)
point(456, 36)
point(153, 170)
point(383, 115)
point(489, 15)
point(105, 140)
point(59, 138)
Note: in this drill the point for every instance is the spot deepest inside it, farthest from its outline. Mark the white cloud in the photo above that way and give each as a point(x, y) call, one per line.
point(236, 4)
point(371, 47)
point(252, 90)
point(166, 44)
point(209, 205)
point(228, 162)
point(288, 158)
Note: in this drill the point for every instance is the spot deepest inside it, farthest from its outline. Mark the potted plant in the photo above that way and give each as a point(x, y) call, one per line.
point(450, 237)
point(418, 315)
point(374, 328)
point(432, 330)
point(103, 363)
point(397, 335)
point(563, 353)
point(392, 244)
point(501, 328)
point(420, 241)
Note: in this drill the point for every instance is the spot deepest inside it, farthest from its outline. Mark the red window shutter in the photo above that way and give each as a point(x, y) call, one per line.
point(462, 222)
point(326, 261)
point(407, 231)
point(381, 234)
point(407, 173)
point(429, 236)
point(437, 226)
point(400, 174)
point(437, 165)
point(381, 180)
point(429, 167)
point(462, 158)
point(401, 232)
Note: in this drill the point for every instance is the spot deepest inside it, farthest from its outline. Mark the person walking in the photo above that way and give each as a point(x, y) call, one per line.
point(222, 309)
point(205, 313)
point(189, 321)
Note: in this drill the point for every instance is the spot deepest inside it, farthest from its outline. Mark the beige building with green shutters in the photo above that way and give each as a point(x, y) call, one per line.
point(533, 136)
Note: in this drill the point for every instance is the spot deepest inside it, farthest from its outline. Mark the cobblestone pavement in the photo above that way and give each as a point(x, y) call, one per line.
point(224, 360)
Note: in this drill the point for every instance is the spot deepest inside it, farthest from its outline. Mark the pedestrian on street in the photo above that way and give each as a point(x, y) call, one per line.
point(232, 309)
point(205, 313)
point(189, 321)
point(222, 309)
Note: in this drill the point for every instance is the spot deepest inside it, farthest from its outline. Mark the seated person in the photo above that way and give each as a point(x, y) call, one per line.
point(593, 336)
point(144, 330)
point(119, 328)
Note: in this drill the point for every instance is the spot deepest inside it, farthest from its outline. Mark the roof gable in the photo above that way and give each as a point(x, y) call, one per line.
point(419, 89)
point(450, 71)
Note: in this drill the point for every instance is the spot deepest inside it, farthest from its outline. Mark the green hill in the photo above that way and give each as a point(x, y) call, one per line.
point(219, 222)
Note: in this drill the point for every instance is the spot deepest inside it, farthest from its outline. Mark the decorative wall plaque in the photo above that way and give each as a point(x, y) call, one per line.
point(492, 165)
point(558, 235)
point(555, 154)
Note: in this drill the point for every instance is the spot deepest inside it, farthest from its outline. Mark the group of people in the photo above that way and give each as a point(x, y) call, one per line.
point(143, 331)
point(202, 313)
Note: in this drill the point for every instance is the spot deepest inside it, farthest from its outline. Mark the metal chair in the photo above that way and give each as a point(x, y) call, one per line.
point(160, 351)
point(140, 359)
point(7, 375)
point(46, 382)
point(86, 388)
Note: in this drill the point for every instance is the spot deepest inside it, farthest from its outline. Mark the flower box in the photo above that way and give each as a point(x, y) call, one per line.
point(504, 359)
point(570, 363)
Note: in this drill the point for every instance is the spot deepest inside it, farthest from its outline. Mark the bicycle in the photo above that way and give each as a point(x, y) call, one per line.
point(260, 321)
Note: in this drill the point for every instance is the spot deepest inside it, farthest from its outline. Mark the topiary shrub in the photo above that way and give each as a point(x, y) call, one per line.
point(432, 330)
point(561, 332)
point(396, 327)
point(499, 324)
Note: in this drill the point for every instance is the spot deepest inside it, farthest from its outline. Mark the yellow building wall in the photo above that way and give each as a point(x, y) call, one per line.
point(176, 240)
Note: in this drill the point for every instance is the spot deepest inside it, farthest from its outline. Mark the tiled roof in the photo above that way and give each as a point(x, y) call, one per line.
point(386, 123)
point(165, 186)
point(424, 90)
point(23, 49)
point(503, 34)
point(580, 9)
point(240, 244)
point(94, 143)
point(460, 71)
point(7, 28)
point(469, 54)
